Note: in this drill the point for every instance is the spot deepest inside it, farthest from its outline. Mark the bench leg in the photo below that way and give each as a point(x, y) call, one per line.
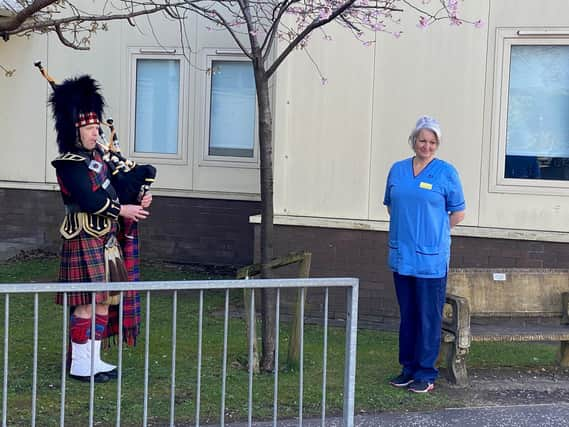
point(564, 354)
point(456, 362)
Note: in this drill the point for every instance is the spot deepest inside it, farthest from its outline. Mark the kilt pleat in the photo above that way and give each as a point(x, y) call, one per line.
point(82, 260)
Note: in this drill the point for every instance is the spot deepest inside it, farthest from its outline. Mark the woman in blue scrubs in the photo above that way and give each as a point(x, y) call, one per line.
point(424, 199)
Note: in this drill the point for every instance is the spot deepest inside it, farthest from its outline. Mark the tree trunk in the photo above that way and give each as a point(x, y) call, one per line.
point(268, 296)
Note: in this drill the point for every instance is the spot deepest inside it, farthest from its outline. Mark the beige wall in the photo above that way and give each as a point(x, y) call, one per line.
point(322, 146)
point(22, 113)
point(336, 142)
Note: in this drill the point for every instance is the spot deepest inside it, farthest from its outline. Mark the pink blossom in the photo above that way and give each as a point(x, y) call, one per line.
point(324, 13)
point(452, 5)
point(454, 20)
point(479, 23)
point(397, 34)
point(423, 22)
point(378, 26)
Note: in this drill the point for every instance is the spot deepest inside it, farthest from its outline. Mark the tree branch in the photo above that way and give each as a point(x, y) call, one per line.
point(256, 54)
point(66, 42)
point(206, 13)
point(79, 18)
point(274, 28)
point(8, 24)
point(315, 24)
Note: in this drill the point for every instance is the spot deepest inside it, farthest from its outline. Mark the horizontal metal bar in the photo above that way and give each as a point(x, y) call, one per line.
point(158, 51)
point(229, 52)
point(538, 33)
point(19, 288)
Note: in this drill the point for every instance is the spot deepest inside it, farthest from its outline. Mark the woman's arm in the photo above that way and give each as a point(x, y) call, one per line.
point(456, 218)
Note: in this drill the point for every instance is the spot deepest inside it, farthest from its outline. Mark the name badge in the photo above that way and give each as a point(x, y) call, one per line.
point(426, 185)
point(95, 166)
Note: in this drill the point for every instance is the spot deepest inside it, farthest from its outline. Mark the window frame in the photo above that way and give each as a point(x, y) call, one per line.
point(153, 53)
point(505, 39)
point(206, 159)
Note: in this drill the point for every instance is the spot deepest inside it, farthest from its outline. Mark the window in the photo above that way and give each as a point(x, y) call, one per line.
point(157, 99)
point(531, 128)
point(537, 132)
point(232, 110)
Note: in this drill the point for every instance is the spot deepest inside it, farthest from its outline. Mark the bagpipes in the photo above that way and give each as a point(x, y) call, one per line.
point(130, 180)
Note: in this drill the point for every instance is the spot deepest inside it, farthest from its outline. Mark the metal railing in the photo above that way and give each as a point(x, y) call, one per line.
point(350, 285)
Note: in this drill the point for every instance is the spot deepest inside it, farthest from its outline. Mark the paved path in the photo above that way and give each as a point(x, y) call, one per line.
point(542, 415)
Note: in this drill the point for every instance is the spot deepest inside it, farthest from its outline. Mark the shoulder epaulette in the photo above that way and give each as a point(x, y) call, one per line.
point(70, 157)
point(74, 157)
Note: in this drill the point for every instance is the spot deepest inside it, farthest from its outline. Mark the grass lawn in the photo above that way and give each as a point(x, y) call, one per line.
point(377, 361)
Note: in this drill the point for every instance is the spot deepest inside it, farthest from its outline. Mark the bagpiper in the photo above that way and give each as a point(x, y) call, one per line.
point(94, 224)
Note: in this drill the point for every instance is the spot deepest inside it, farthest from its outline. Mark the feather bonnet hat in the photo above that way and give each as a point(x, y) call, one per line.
point(75, 102)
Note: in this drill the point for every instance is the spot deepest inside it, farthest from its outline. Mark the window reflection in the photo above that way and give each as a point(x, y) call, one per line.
point(537, 133)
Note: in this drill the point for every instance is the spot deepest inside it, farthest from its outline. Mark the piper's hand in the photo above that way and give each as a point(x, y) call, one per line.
point(146, 200)
point(134, 212)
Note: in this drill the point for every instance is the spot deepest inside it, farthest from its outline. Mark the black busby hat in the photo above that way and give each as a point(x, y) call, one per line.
point(76, 102)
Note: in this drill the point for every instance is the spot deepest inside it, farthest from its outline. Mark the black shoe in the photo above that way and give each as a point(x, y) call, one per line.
point(401, 381)
point(101, 377)
point(112, 374)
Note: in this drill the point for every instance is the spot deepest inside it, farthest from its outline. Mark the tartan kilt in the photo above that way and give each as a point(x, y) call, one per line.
point(82, 260)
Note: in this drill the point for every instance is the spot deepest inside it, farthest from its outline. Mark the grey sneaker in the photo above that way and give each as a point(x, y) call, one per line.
point(401, 380)
point(421, 387)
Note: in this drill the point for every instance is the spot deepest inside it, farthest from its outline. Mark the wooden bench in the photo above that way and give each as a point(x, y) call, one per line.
point(500, 305)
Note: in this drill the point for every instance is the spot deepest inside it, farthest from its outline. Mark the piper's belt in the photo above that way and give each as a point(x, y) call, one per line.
point(94, 225)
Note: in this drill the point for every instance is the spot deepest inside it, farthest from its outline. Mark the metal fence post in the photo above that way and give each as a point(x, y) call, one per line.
point(350, 365)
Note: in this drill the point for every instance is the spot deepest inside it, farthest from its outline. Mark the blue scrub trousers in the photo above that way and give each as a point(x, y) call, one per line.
point(421, 303)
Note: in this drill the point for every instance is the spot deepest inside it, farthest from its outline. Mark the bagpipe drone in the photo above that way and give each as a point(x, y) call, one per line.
point(130, 180)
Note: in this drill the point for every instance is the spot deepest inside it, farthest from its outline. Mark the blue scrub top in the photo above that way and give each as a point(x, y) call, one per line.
point(419, 228)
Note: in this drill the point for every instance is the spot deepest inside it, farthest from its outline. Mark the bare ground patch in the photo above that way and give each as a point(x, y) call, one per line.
point(510, 386)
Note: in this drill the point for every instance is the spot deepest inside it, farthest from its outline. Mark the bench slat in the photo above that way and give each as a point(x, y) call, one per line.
point(519, 338)
point(525, 333)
